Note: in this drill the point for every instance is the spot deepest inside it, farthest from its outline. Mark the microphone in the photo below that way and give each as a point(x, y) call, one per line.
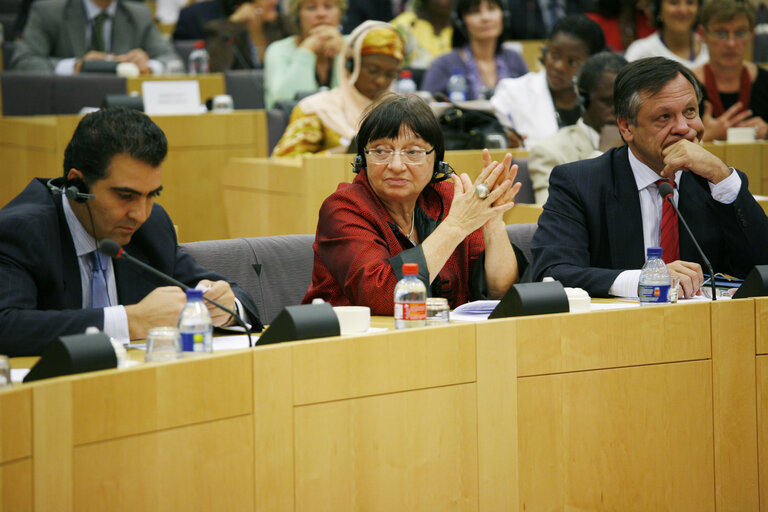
point(667, 192)
point(230, 41)
point(113, 250)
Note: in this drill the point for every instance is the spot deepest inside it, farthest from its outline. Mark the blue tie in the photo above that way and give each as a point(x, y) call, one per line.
point(99, 295)
point(554, 12)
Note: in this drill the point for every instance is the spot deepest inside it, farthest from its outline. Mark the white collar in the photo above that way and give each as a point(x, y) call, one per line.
point(592, 134)
point(92, 10)
point(644, 175)
point(84, 242)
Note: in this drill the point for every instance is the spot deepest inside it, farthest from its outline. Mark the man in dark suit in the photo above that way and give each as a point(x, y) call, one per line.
point(602, 214)
point(534, 19)
point(54, 282)
point(60, 35)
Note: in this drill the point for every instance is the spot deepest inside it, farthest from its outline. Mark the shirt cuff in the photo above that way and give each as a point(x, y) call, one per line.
point(65, 67)
point(726, 191)
point(625, 284)
point(157, 67)
point(116, 324)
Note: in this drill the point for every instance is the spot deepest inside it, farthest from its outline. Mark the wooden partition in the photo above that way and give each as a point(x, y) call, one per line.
point(211, 84)
point(750, 158)
point(198, 149)
point(644, 409)
point(278, 196)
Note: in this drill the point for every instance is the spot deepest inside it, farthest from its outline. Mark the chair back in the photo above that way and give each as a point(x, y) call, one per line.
point(521, 235)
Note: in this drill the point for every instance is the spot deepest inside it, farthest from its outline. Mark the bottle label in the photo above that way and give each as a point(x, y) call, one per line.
point(410, 310)
point(192, 341)
point(652, 294)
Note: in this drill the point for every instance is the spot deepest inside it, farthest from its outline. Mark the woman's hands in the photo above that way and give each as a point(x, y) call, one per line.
point(324, 41)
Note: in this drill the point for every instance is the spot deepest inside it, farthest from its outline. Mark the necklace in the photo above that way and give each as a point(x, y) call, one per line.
point(410, 233)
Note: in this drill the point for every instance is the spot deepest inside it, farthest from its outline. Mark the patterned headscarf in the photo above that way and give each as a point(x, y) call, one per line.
point(383, 40)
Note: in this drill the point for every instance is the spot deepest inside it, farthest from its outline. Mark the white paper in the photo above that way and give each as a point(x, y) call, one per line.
point(171, 97)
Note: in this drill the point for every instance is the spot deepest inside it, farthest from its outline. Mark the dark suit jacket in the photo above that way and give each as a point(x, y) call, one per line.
point(40, 288)
point(526, 21)
point(591, 227)
point(55, 30)
point(359, 11)
point(193, 18)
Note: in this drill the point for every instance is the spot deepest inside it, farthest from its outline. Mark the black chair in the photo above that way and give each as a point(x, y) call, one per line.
point(246, 86)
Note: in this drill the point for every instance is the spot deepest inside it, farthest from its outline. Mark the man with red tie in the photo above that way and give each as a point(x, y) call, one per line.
point(602, 214)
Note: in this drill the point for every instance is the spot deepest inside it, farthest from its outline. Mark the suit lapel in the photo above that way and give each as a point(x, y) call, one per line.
point(70, 268)
point(75, 27)
point(133, 284)
point(623, 216)
point(122, 37)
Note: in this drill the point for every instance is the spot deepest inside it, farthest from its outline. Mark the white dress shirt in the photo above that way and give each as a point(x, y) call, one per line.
point(651, 203)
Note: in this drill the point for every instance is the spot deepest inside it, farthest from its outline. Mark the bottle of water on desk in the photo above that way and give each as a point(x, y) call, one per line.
point(654, 283)
point(410, 299)
point(198, 62)
point(195, 324)
point(405, 84)
point(457, 86)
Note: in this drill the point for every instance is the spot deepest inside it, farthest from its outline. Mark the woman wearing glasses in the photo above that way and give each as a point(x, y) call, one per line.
point(735, 91)
point(398, 210)
point(327, 120)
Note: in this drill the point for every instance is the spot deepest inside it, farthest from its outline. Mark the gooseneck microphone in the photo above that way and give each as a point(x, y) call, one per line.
point(667, 193)
point(113, 250)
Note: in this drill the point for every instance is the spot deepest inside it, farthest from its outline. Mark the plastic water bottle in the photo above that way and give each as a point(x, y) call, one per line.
point(195, 324)
point(198, 62)
point(410, 299)
point(654, 283)
point(406, 85)
point(457, 86)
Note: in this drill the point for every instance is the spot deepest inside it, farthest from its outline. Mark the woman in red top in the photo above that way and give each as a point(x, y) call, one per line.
point(398, 210)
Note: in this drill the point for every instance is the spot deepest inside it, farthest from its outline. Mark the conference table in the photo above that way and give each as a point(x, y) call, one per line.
point(653, 408)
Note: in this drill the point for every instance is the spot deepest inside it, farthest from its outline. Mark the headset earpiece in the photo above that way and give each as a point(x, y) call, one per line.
point(77, 190)
point(350, 65)
point(458, 24)
point(443, 168)
point(357, 164)
point(543, 56)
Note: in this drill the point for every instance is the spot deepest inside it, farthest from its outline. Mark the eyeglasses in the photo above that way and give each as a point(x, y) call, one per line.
point(739, 35)
point(409, 156)
point(376, 72)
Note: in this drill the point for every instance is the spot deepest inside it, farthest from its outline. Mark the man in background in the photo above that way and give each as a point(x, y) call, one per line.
point(55, 281)
point(594, 133)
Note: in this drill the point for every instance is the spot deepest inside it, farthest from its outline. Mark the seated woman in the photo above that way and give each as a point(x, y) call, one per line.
point(426, 29)
point(399, 210)
point(735, 91)
point(537, 104)
point(236, 32)
point(478, 53)
point(373, 55)
point(622, 21)
point(305, 62)
point(675, 38)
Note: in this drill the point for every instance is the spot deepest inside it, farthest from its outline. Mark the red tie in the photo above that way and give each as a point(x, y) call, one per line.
point(670, 243)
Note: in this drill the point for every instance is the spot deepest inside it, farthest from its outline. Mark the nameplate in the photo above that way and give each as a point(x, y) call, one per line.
point(171, 97)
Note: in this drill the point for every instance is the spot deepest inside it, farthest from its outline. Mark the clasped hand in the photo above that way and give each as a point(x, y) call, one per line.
point(685, 155)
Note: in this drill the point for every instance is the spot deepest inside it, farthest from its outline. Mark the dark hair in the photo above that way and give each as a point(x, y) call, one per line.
point(113, 131)
point(594, 67)
point(654, 6)
point(460, 33)
point(646, 75)
point(727, 10)
point(582, 28)
point(384, 118)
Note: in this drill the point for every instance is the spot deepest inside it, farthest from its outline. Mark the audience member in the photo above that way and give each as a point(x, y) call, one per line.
point(61, 34)
point(735, 91)
point(426, 29)
point(236, 32)
point(602, 214)
point(676, 39)
point(622, 22)
point(592, 134)
point(478, 53)
point(372, 57)
point(397, 210)
point(359, 11)
point(55, 281)
point(534, 19)
point(305, 62)
point(537, 104)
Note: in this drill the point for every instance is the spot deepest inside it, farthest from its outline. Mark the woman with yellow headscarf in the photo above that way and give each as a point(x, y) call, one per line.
point(373, 54)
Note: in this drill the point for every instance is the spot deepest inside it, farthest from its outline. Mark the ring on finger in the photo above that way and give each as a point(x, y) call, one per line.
point(482, 190)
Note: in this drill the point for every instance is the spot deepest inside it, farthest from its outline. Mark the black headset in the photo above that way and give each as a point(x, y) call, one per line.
point(441, 172)
point(459, 25)
point(74, 189)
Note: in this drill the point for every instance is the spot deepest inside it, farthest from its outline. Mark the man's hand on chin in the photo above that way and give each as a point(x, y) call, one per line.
point(690, 156)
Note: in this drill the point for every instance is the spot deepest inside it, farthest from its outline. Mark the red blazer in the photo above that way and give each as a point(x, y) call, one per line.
point(359, 251)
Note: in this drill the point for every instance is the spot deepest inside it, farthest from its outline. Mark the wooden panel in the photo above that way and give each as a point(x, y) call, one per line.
point(605, 339)
point(629, 439)
point(208, 466)
point(523, 213)
point(762, 428)
point(211, 84)
point(734, 399)
point(52, 445)
point(273, 428)
point(16, 486)
point(764, 148)
point(471, 161)
point(404, 451)
point(155, 397)
point(383, 363)
point(748, 159)
point(15, 423)
point(497, 415)
point(761, 325)
point(716, 148)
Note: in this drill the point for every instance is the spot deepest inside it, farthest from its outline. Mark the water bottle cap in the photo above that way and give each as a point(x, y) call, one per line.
point(654, 252)
point(456, 71)
point(410, 269)
point(406, 73)
point(199, 44)
point(194, 294)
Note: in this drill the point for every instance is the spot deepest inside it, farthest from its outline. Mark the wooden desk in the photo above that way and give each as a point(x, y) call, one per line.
point(198, 149)
point(644, 409)
point(211, 84)
point(290, 191)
